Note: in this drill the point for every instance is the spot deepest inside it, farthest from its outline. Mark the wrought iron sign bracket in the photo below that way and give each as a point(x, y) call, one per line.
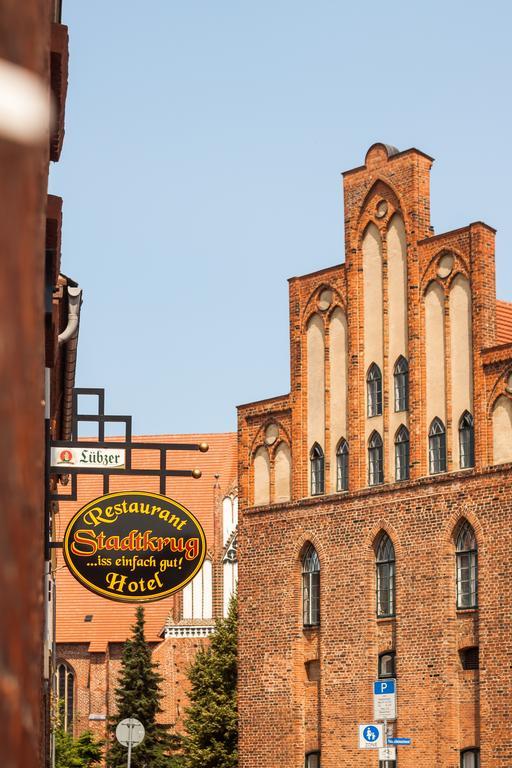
point(126, 447)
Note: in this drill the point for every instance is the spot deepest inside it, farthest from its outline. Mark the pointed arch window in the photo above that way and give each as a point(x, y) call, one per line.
point(374, 390)
point(375, 460)
point(342, 466)
point(466, 441)
point(65, 685)
point(401, 382)
point(467, 567)
point(385, 565)
point(316, 458)
point(437, 447)
point(310, 588)
point(402, 454)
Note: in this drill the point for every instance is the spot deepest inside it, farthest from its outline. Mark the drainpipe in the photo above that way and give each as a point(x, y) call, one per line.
point(74, 302)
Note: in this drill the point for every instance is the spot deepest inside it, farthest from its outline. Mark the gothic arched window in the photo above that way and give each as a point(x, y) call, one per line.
point(375, 460)
point(65, 684)
point(316, 458)
point(402, 454)
point(437, 447)
point(385, 566)
point(466, 441)
point(342, 466)
point(310, 588)
point(401, 380)
point(374, 390)
point(467, 567)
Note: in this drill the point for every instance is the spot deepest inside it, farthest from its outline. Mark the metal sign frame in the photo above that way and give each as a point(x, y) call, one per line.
point(162, 471)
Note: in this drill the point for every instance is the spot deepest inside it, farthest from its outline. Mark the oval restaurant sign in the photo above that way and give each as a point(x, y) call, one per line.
point(134, 546)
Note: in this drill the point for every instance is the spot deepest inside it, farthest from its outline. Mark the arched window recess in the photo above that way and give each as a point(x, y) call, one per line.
point(310, 587)
point(374, 390)
point(375, 460)
point(317, 461)
point(385, 567)
point(342, 465)
point(466, 441)
point(467, 566)
point(401, 384)
point(437, 447)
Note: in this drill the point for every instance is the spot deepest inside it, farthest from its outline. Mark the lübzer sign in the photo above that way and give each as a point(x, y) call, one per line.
point(134, 546)
point(88, 457)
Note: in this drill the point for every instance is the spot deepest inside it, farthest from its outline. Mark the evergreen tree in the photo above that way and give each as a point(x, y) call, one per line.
point(212, 722)
point(138, 695)
point(84, 752)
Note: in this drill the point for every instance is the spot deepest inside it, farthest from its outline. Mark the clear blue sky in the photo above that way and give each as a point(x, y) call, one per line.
point(201, 169)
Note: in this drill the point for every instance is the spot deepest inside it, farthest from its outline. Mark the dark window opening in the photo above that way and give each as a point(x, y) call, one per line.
point(469, 657)
point(316, 457)
point(437, 447)
point(342, 466)
point(312, 760)
point(402, 454)
point(385, 565)
point(470, 758)
point(466, 441)
point(310, 588)
point(467, 567)
point(374, 391)
point(401, 380)
point(387, 665)
point(375, 460)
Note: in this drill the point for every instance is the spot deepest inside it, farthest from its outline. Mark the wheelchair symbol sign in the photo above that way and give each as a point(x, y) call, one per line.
point(371, 736)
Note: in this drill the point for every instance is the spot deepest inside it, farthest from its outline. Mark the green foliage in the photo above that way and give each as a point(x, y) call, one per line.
point(212, 721)
point(138, 695)
point(84, 752)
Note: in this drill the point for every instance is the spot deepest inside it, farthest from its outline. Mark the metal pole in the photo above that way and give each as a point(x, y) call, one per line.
point(130, 733)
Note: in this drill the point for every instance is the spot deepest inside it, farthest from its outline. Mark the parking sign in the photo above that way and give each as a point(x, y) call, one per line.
point(384, 699)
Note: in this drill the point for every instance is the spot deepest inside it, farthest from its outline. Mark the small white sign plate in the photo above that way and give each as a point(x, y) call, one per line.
point(130, 729)
point(384, 699)
point(371, 736)
point(92, 458)
point(387, 753)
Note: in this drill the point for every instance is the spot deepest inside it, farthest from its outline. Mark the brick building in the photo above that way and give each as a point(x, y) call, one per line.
point(91, 630)
point(39, 318)
point(376, 497)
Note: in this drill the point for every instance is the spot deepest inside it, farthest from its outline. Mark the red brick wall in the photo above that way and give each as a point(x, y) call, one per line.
point(441, 707)
point(25, 41)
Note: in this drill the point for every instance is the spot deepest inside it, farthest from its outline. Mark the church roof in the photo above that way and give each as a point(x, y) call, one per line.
point(503, 322)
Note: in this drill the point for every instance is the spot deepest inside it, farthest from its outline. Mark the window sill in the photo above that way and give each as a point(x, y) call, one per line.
point(465, 611)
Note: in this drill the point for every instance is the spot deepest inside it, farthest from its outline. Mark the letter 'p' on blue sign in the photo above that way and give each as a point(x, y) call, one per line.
point(383, 687)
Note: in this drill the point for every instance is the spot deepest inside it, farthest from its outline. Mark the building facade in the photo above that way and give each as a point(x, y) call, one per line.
point(376, 497)
point(91, 630)
point(37, 363)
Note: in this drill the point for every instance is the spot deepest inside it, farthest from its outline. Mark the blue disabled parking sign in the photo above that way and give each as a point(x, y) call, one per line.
point(371, 736)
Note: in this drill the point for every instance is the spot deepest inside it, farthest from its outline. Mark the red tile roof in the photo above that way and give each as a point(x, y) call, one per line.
point(111, 621)
point(503, 322)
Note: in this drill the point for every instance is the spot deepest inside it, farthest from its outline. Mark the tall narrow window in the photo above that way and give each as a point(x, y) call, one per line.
point(470, 758)
point(466, 441)
point(316, 457)
point(310, 588)
point(401, 376)
point(312, 760)
point(385, 564)
point(375, 460)
point(467, 567)
point(342, 466)
point(374, 390)
point(66, 694)
point(402, 454)
point(437, 447)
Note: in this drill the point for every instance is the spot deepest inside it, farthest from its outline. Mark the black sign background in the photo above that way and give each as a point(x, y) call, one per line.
point(111, 546)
